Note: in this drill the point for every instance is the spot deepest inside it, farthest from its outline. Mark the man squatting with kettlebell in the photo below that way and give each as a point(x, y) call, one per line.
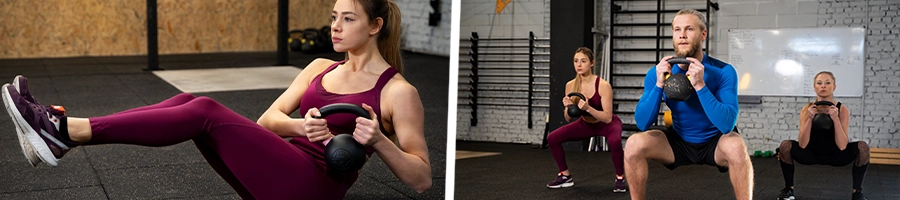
point(703, 130)
point(823, 139)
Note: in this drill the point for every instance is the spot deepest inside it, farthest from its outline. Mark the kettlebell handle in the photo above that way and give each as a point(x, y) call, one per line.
point(679, 60)
point(343, 108)
point(577, 94)
point(825, 103)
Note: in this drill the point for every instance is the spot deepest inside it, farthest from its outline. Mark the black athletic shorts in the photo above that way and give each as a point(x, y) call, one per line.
point(837, 158)
point(687, 153)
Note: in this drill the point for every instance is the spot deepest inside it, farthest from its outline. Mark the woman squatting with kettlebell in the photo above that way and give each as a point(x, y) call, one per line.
point(597, 119)
point(823, 139)
point(252, 157)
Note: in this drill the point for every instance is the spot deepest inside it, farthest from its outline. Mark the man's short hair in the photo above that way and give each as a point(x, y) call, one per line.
point(698, 14)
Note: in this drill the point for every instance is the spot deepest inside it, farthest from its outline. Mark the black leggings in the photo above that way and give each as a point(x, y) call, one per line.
point(849, 155)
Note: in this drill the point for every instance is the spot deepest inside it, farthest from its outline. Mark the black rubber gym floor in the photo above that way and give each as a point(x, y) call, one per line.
point(522, 172)
point(94, 86)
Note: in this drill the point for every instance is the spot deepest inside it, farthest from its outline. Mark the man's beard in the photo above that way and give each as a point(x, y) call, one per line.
point(690, 52)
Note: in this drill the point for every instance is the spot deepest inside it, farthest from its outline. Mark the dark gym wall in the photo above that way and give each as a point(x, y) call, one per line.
point(67, 28)
point(570, 28)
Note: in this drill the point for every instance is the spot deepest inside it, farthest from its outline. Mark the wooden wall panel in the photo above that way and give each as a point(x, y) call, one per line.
point(69, 28)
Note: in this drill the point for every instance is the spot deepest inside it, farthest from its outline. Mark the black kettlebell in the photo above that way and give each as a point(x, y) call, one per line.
point(822, 119)
point(294, 41)
point(325, 39)
point(677, 86)
point(573, 110)
point(308, 40)
point(295, 44)
point(343, 154)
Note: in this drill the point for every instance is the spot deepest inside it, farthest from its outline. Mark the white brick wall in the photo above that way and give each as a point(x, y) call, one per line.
point(418, 36)
point(873, 117)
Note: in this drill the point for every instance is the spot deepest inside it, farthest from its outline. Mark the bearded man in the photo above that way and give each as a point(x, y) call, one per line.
point(703, 129)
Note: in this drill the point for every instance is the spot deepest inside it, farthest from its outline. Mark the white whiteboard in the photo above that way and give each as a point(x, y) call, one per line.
point(783, 62)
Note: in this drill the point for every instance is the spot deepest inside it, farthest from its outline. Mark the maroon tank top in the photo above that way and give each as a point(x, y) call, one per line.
point(594, 101)
point(316, 96)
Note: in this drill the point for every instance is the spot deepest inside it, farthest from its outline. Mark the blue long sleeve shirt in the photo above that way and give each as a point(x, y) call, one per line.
point(711, 110)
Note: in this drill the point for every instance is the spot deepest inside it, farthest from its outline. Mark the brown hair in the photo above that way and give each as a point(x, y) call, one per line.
point(389, 35)
point(577, 86)
point(698, 14)
point(833, 80)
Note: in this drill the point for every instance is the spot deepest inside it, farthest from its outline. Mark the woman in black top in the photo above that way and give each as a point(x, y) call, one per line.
point(821, 144)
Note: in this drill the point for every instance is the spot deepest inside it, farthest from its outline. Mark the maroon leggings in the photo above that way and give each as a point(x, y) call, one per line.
point(257, 163)
point(579, 130)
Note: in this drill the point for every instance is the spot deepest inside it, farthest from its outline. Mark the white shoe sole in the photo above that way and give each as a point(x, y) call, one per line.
point(618, 191)
point(31, 136)
point(27, 149)
point(569, 184)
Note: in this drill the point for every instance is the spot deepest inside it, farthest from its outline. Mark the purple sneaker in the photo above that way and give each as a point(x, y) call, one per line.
point(620, 185)
point(27, 149)
point(561, 181)
point(40, 125)
point(21, 84)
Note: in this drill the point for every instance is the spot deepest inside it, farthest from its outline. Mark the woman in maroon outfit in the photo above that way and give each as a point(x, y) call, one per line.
point(252, 156)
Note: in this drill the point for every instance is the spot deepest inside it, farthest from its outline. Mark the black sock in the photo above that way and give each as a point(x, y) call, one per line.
point(859, 172)
point(787, 170)
point(64, 131)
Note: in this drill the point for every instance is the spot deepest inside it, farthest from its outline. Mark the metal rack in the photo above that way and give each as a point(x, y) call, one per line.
point(501, 72)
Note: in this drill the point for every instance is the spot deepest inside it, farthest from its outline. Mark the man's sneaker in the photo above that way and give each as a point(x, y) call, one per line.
point(561, 181)
point(620, 185)
point(40, 124)
point(787, 194)
point(858, 195)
